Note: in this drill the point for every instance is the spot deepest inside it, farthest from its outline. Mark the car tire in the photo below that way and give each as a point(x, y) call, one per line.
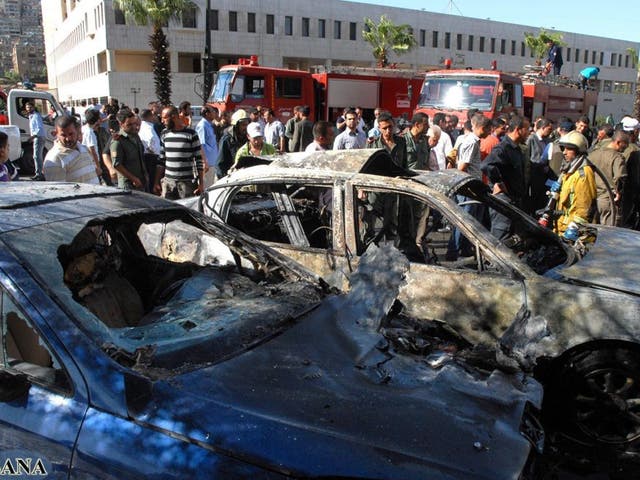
point(592, 401)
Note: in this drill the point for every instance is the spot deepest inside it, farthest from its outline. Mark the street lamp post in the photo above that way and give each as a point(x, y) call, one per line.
point(207, 55)
point(135, 91)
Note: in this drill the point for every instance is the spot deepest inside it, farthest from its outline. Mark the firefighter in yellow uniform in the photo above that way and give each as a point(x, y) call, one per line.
point(578, 184)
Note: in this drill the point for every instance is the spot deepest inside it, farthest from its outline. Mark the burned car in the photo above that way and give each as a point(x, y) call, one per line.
point(142, 339)
point(571, 315)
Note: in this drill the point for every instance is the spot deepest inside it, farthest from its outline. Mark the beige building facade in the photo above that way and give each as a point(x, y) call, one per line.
point(94, 51)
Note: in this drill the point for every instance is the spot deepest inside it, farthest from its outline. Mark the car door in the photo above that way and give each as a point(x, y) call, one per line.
point(479, 295)
point(43, 396)
point(301, 219)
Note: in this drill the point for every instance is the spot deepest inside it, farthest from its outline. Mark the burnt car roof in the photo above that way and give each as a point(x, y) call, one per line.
point(370, 161)
point(28, 204)
point(365, 161)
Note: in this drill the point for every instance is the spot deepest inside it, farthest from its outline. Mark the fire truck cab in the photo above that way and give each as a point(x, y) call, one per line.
point(248, 84)
point(457, 91)
point(326, 92)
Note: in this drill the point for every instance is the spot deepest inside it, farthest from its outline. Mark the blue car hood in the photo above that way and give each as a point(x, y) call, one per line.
point(329, 397)
point(612, 262)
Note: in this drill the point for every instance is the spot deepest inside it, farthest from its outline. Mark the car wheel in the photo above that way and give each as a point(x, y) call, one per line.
point(593, 399)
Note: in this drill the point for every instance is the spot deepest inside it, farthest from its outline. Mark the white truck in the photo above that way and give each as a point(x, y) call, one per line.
point(20, 146)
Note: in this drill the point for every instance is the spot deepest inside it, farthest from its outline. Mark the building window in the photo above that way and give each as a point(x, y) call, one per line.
point(423, 38)
point(288, 25)
point(568, 57)
point(493, 45)
point(593, 57)
point(189, 17)
point(601, 58)
point(626, 61)
point(459, 41)
point(503, 46)
point(270, 24)
point(434, 39)
point(337, 33)
point(352, 30)
point(606, 86)
point(233, 21)
point(251, 22)
point(322, 27)
point(120, 20)
point(586, 56)
point(513, 47)
point(470, 43)
point(577, 56)
point(213, 20)
point(447, 40)
point(304, 27)
point(613, 59)
point(481, 45)
point(522, 49)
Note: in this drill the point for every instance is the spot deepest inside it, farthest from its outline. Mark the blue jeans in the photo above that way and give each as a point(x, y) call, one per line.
point(38, 148)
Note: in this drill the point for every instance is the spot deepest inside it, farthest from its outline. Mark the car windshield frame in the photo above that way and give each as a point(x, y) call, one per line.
point(170, 340)
point(459, 93)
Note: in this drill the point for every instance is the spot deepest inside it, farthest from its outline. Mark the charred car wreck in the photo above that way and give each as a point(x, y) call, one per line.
point(568, 313)
point(140, 339)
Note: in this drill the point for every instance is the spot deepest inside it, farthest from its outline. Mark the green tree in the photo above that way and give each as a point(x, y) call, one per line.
point(636, 99)
point(157, 13)
point(538, 43)
point(386, 36)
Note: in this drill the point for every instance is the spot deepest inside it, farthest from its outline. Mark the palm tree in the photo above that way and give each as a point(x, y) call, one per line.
point(385, 36)
point(636, 98)
point(158, 13)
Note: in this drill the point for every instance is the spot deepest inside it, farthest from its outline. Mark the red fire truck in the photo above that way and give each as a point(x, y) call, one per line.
point(327, 92)
point(494, 92)
point(554, 101)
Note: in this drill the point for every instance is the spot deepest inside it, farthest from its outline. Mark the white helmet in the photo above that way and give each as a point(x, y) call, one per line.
point(574, 140)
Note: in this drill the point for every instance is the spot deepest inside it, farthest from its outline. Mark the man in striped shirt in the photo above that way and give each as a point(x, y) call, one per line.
point(69, 160)
point(180, 161)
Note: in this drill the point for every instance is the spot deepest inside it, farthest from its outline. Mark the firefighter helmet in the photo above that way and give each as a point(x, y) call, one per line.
point(574, 140)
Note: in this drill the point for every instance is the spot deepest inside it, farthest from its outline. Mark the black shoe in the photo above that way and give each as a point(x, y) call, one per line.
point(38, 178)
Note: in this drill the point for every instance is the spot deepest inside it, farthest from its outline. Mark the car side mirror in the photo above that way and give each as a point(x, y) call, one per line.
point(13, 386)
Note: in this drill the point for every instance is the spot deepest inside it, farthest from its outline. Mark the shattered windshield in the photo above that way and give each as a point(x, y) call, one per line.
point(169, 286)
point(458, 93)
point(222, 85)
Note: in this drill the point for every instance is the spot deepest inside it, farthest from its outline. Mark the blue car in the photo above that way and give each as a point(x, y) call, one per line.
point(141, 339)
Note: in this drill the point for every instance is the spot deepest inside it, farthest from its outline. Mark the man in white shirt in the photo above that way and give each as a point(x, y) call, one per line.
point(322, 137)
point(89, 137)
point(273, 130)
point(69, 160)
point(151, 142)
point(444, 145)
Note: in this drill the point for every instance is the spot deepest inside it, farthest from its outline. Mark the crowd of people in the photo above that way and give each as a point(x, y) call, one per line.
point(565, 173)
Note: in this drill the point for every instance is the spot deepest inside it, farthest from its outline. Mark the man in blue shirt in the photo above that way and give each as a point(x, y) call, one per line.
point(38, 136)
point(587, 74)
point(207, 136)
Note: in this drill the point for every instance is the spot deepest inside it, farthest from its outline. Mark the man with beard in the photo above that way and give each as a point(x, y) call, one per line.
point(69, 160)
point(180, 161)
point(233, 138)
point(127, 153)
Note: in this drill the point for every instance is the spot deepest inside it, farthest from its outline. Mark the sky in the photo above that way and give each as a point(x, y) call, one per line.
point(588, 17)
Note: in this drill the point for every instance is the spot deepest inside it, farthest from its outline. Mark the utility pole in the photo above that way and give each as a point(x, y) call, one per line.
point(208, 74)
